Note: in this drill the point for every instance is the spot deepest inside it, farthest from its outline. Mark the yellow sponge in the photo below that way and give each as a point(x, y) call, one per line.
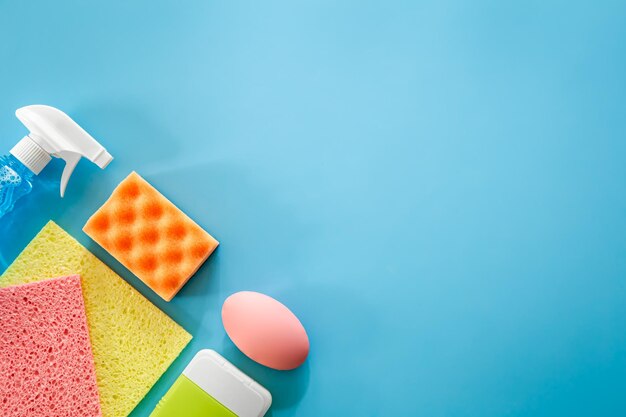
point(133, 341)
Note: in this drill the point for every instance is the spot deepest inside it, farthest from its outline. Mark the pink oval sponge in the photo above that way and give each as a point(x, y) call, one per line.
point(265, 330)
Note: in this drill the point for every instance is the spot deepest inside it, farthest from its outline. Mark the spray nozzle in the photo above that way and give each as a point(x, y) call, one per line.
point(54, 133)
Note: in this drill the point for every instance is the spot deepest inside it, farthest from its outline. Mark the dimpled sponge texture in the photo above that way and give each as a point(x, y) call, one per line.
point(133, 342)
point(150, 236)
point(46, 364)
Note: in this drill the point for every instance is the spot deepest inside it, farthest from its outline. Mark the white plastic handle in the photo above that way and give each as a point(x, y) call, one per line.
point(58, 135)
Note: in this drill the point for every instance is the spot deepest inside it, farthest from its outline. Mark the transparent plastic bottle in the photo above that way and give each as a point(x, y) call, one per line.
point(15, 182)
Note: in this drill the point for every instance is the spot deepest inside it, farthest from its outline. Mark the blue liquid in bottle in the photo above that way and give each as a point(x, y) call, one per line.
point(15, 182)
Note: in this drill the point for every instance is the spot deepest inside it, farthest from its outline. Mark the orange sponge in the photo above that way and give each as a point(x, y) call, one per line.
point(150, 236)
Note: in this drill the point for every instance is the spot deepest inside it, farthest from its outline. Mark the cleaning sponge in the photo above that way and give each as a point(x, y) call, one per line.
point(150, 236)
point(46, 364)
point(133, 342)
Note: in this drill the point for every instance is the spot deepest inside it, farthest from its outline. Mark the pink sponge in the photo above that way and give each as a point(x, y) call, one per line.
point(46, 365)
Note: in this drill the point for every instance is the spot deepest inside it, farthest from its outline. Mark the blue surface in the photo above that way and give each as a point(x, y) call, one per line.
point(435, 188)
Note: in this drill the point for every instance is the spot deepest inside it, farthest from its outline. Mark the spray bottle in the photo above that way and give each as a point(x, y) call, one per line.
point(52, 133)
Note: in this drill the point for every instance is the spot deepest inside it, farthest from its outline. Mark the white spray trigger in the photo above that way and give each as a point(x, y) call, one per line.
point(54, 133)
point(71, 160)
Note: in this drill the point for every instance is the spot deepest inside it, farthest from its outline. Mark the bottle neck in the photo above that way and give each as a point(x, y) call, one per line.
point(17, 166)
point(31, 155)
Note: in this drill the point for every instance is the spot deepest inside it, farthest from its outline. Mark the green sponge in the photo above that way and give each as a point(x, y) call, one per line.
point(133, 341)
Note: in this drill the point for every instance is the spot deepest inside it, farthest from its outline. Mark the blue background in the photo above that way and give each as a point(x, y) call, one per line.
point(435, 188)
